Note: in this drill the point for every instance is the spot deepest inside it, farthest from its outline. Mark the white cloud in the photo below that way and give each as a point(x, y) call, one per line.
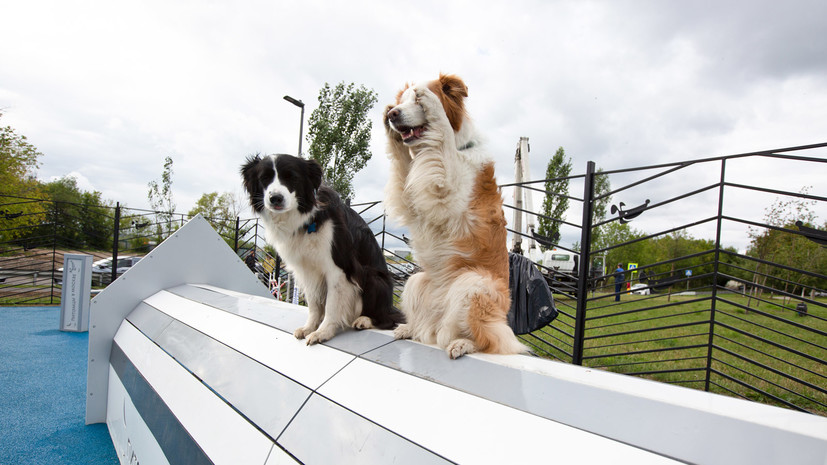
point(110, 89)
point(81, 181)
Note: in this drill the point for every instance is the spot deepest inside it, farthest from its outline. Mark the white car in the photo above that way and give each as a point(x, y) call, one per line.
point(124, 263)
point(640, 289)
point(401, 270)
point(102, 269)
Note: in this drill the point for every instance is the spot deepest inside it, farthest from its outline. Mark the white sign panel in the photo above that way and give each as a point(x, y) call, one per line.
point(77, 286)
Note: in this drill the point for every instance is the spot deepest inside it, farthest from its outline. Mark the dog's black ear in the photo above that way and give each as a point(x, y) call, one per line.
point(248, 171)
point(314, 172)
point(249, 175)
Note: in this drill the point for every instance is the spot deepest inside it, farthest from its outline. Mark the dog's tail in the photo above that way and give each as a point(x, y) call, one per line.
point(392, 319)
point(377, 300)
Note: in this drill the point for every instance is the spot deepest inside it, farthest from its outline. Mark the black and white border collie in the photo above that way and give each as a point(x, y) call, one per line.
point(329, 248)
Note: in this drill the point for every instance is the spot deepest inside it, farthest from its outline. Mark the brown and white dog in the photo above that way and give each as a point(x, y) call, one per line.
point(442, 188)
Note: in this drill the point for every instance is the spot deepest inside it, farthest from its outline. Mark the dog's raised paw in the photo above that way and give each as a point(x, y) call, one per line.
point(435, 117)
point(427, 100)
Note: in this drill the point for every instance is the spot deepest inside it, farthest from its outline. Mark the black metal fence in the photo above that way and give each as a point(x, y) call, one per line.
point(734, 302)
point(726, 288)
point(36, 233)
point(726, 291)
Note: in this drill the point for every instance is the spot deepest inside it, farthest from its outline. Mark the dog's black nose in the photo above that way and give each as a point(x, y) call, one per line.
point(393, 115)
point(277, 200)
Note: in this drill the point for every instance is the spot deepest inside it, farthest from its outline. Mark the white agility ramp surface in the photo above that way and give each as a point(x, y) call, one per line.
point(205, 372)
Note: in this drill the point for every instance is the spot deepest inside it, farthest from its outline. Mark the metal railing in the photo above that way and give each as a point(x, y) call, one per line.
point(742, 312)
point(36, 233)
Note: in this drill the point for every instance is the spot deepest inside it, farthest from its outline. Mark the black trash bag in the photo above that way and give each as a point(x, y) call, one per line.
point(532, 305)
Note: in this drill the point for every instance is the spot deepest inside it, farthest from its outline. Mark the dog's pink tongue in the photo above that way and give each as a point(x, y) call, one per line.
point(417, 132)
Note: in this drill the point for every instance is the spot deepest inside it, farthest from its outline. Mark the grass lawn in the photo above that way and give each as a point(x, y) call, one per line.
point(767, 353)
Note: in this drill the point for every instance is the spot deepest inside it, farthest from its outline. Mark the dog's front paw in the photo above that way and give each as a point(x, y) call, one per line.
point(362, 322)
point(402, 331)
point(300, 333)
point(319, 336)
point(459, 347)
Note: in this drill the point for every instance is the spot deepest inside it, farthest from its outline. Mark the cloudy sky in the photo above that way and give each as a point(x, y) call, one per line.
point(107, 89)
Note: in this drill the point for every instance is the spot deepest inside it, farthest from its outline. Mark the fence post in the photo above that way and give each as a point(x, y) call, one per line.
point(715, 277)
point(235, 248)
point(384, 217)
point(583, 271)
point(54, 252)
point(115, 240)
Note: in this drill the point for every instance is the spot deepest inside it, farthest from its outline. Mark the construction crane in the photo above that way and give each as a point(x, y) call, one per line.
point(523, 202)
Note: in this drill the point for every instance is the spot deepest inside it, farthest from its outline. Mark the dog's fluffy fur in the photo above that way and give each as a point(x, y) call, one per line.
point(328, 246)
point(442, 187)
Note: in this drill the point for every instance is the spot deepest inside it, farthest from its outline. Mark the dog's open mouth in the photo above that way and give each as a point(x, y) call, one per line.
point(410, 134)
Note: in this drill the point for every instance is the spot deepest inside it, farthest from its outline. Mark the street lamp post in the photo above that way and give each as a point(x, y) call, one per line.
point(299, 104)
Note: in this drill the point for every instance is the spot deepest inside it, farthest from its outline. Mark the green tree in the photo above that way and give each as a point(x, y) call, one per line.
point(602, 186)
point(221, 211)
point(788, 249)
point(160, 199)
point(632, 250)
point(556, 201)
point(339, 133)
point(18, 163)
point(80, 219)
point(20, 193)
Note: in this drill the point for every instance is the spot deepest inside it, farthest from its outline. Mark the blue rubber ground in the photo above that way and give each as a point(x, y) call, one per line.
point(43, 393)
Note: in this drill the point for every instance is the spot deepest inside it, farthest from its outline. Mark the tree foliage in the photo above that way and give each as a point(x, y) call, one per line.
point(20, 207)
point(661, 256)
point(221, 211)
point(80, 219)
point(213, 205)
point(556, 201)
point(637, 252)
point(339, 133)
point(780, 244)
point(160, 199)
point(602, 186)
point(19, 161)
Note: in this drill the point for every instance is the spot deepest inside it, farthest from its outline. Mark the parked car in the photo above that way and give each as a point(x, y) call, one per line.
point(401, 270)
point(102, 269)
point(124, 264)
point(640, 289)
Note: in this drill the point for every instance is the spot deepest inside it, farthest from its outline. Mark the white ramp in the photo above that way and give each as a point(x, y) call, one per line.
point(202, 373)
point(194, 253)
